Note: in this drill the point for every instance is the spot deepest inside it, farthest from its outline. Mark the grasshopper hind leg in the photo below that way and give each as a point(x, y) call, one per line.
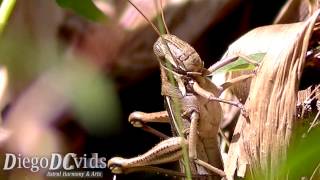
point(166, 151)
point(169, 150)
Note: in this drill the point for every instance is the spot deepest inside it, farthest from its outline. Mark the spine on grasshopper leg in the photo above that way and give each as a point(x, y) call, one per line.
point(166, 151)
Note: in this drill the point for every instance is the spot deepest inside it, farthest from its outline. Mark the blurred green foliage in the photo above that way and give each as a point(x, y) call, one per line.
point(93, 98)
point(91, 95)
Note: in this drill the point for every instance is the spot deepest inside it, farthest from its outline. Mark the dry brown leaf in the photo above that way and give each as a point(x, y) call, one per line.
point(271, 102)
point(296, 11)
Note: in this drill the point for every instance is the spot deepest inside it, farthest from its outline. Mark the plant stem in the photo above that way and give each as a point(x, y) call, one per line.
point(5, 11)
point(176, 105)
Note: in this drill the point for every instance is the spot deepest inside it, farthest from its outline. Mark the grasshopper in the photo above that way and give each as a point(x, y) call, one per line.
point(190, 97)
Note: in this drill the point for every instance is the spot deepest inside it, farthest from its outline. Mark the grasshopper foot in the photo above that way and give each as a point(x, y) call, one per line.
point(115, 164)
point(135, 119)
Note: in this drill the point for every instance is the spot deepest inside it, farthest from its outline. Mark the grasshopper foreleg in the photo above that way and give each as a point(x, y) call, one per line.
point(140, 120)
point(229, 60)
point(137, 118)
point(233, 81)
point(210, 167)
point(193, 115)
point(211, 97)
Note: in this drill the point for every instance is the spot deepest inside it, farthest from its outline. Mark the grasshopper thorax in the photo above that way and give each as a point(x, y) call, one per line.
point(178, 53)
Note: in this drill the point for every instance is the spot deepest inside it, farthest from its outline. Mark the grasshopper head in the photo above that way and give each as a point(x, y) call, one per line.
point(182, 57)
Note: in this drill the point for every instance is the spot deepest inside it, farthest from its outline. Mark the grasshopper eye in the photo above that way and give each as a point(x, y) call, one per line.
point(158, 51)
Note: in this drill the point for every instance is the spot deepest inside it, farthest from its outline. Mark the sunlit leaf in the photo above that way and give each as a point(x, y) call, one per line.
point(240, 64)
point(85, 8)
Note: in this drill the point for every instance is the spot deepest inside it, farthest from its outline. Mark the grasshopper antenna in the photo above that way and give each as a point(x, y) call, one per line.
point(162, 17)
point(145, 17)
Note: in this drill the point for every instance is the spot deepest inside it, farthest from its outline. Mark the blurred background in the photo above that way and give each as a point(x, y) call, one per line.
point(74, 78)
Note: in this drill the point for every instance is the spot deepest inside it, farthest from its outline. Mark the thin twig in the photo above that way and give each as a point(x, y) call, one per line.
point(313, 124)
point(314, 172)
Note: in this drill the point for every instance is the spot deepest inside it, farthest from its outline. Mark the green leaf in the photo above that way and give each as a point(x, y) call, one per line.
point(240, 64)
point(303, 154)
point(85, 8)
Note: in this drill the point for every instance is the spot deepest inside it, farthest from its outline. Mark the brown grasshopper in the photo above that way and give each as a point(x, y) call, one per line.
point(189, 96)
